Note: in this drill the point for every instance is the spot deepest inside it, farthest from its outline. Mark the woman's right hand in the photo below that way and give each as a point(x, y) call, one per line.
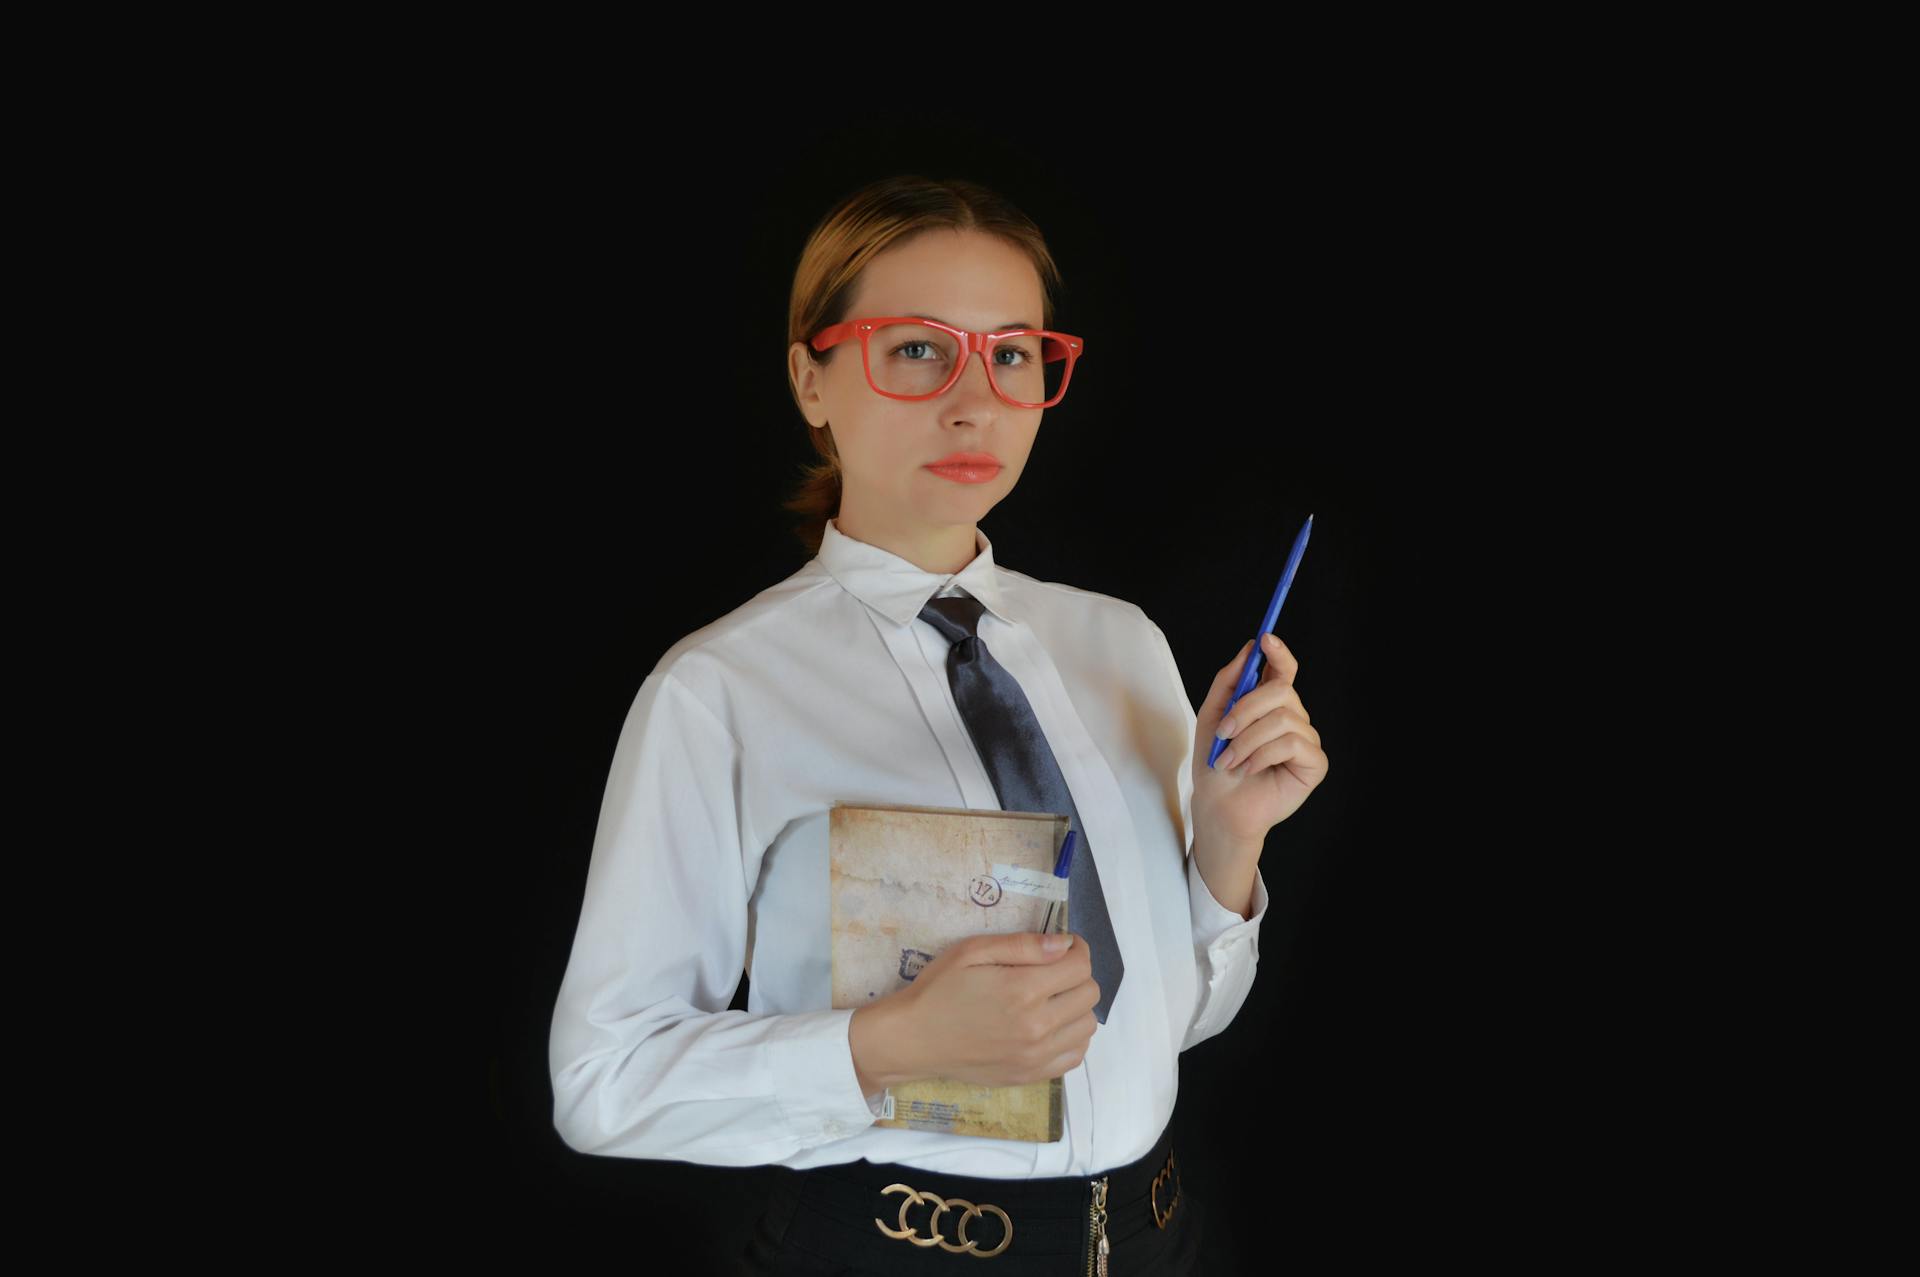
point(1001, 1010)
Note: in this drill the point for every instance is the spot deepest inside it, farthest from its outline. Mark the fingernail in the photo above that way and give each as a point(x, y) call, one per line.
point(1226, 759)
point(1227, 728)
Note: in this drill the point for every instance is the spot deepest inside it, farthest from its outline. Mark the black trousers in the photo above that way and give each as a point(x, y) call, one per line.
point(821, 1221)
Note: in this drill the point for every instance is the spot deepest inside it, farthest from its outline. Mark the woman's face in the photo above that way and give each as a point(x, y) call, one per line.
point(888, 495)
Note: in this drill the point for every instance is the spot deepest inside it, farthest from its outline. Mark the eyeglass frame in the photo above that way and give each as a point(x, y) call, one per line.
point(984, 343)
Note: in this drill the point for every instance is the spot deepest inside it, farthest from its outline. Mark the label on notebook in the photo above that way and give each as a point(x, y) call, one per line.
point(1030, 882)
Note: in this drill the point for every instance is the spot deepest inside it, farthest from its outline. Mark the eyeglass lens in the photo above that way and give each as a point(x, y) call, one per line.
point(918, 359)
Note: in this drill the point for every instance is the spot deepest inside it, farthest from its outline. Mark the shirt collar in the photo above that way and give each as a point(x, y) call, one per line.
point(897, 589)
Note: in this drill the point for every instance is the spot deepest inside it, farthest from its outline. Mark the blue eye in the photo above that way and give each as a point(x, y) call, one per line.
point(905, 344)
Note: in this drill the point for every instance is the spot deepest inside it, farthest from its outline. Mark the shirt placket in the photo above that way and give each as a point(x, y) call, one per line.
point(935, 697)
point(922, 658)
point(922, 653)
point(1109, 826)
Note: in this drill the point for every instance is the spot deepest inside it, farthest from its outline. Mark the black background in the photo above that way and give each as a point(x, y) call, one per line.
point(1418, 343)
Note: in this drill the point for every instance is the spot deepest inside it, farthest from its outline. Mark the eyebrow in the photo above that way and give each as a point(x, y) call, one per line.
point(1001, 329)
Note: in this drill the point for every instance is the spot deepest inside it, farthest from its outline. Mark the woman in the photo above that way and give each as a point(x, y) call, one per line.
point(834, 685)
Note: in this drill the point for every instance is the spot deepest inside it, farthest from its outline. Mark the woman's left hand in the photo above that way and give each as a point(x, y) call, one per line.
point(1273, 758)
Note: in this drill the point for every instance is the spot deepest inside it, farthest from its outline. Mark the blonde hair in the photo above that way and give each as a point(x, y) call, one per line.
point(863, 225)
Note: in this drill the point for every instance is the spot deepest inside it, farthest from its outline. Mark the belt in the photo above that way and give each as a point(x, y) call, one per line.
point(892, 1216)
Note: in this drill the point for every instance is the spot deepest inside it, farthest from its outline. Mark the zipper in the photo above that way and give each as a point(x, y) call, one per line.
point(1097, 1230)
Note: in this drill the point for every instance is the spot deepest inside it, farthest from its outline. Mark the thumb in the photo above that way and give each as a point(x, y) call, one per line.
point(1214, 708)
point(1017, 948)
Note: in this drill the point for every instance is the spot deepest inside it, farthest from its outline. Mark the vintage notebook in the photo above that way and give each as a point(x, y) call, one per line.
point(906, 883)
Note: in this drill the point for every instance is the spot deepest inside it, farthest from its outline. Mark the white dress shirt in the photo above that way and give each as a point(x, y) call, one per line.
point(710, 857)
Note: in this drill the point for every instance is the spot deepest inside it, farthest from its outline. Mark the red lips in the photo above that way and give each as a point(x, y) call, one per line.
point(967, 467)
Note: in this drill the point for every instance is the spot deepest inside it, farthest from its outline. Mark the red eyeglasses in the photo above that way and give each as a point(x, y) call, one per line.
point(923, 358)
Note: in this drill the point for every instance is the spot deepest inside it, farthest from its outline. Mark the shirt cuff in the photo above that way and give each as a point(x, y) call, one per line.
point(811, 1055)
point(1213, 923)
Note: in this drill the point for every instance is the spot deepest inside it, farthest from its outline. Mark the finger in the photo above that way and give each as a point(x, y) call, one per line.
point(1269, 754)
point(1262, 702)
point(1304, 758)
point(1214, 708)
point(1268, 727)
point(1279, 657)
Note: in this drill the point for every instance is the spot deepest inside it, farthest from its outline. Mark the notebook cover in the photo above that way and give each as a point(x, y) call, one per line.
point(906, 883)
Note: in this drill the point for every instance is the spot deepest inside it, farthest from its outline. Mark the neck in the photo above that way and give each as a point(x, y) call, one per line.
point(941, 549)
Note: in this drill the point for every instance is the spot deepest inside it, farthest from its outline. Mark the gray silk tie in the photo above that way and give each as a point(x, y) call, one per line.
point(1024, 773)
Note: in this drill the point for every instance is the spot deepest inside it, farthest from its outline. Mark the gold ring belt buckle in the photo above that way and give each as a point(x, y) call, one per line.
point(970, 1212)
point(1168, 1172)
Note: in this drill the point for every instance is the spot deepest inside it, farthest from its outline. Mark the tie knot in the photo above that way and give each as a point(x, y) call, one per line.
point(957, 615)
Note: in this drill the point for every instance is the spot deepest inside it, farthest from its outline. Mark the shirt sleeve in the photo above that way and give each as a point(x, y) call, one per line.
point(646, 1059)
point(1226, 946)
point(1228, 949)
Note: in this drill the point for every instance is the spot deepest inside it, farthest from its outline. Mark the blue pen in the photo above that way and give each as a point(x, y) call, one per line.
point(1251, 674)
point(1061, 868)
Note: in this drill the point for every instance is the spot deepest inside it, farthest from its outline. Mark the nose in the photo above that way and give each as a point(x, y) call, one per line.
point(983, 384)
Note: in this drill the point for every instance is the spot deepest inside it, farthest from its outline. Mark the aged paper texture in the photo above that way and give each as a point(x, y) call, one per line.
point(908, 882)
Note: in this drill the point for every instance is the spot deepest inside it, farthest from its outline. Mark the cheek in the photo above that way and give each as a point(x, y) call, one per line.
point(900, 443)
point(866, 437)
point(886, 447)
point(1018, 461)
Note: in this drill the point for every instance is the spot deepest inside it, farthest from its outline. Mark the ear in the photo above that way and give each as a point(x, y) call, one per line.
point(804, 371)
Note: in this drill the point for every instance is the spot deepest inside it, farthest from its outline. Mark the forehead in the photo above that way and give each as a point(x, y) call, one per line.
point(964, 278)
